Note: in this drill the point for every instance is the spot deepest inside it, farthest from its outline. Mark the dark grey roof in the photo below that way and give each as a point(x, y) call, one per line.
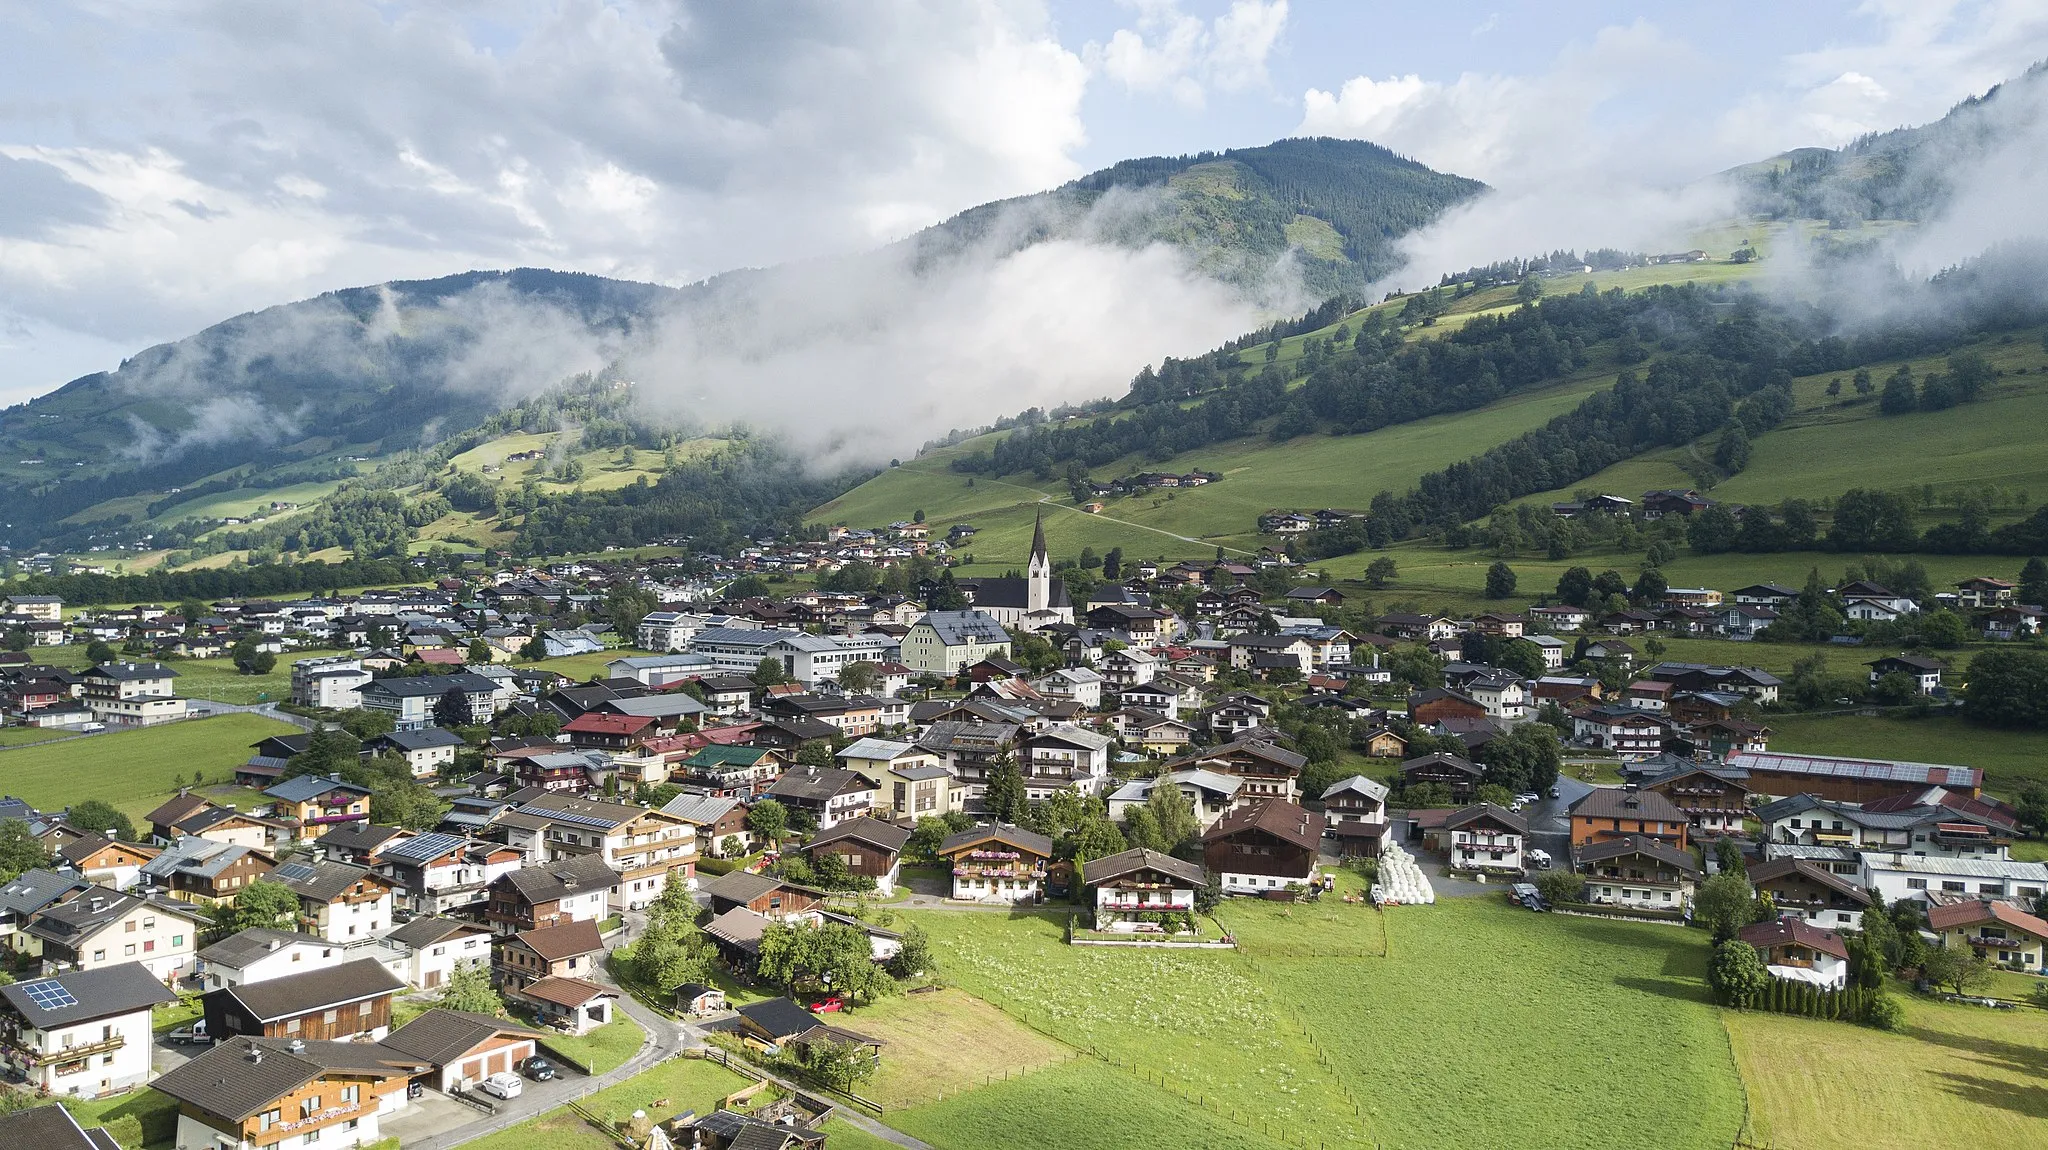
point(817, 785)
point(1018, 837)
point(295, 994)
point(430, 930)
point(242, 1076)
point(32, 890)
point(245, 946)
point(352, 837)
point(779, 1017)
point(889, 836)
point(550, 881)
point(441, 1035)
point(52, 1127)
point(1477, 811)
point(323, 881)
point(424, 739)
point(81, 995)
point(309, 787)
point(1627, 803)
point(128, 672)
point(958, 628)
point(1637, 844)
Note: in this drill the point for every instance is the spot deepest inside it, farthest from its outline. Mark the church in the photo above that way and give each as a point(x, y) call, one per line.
point(1032, 603)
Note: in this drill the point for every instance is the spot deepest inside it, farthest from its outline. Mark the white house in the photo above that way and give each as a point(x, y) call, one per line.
point(1485, 837)
point(338, 901)
point(85, 1033)
point(1210, 794)
point(1075, 684)
point(329, 681)
point(1897, 876)
point(1063, 757)
point(260, 953)
point(434, 947)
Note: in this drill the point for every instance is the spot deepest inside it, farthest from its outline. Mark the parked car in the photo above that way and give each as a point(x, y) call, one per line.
point(193, 1035)
point(539, 1069)
point(830, 1004)
point(1538, 858)
point(1554, 791)
point(501, 1085)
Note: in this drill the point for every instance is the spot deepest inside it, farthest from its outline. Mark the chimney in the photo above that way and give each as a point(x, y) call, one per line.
point(255, 1053)
point(296, 1045)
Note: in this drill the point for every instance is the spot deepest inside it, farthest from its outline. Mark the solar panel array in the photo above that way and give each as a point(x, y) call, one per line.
point(423, 847)
point(597, 821)
point(294, 872)
point(48, 994)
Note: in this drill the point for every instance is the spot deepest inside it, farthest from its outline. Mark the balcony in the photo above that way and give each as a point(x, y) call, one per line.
point(998, 872)
point(29, 1057)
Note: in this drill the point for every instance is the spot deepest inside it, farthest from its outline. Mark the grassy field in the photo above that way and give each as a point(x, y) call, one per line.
point(946, 1042)
point(216, 679)
point(1959, 1076)
point(133, 770)
point(2007, 758)
point(602, 1050)
point(1080, 1105)
point(584, 667)
point(1202, 1022)
point(687, 1084)
point(139, 1118)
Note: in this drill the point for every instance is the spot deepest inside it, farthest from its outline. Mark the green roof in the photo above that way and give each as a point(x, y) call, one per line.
point(720, 755)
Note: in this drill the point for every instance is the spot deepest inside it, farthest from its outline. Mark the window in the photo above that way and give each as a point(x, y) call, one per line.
point(309, 1137)
point(130, 926)
point(1952, 886)
point(128, 951)
point(330, 1016)
point(291, 1026)
point(1916, 884)
point(364, 1009)
point(99, 956)
point(352, 1093)
point(149, 946)
point(269, 1118)
point(1990, 888)
point(308, 1105)
point(177, 940)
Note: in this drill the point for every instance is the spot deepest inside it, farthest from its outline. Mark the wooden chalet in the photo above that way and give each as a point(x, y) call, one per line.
point(1272, 844)
point(348, 1002)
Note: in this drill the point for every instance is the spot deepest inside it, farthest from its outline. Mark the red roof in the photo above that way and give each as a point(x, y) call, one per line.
point(1768, 935)
point(597, 724)
point(1954, 914)
point(441, 656)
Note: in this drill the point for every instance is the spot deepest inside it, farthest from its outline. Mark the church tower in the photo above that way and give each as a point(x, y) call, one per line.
point(1038, 571)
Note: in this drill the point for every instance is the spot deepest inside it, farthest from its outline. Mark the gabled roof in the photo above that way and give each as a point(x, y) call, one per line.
point(308, 787)
point(562, 990)
point(699, 810)
point(424, 739)
point(1443, 759)
point(778, 1017)
point(1778, 868)
point(51, 1127)
point(323, 881)
point(1465, 816)
point(1764, 935)
point(1277, 817)
point(1115, 866)
point(1028, 841)
point(817, 784)
point(82, 995)
point(548, 882)
point(1357, 784)
point(441, 1036)
point(874, 832)
point(295, 994)
point(32, 890)
point(959, 628)
point(1947, 916)
point(432, 929)
point(242, 1077)
point(1627, 803)
point(554, 943)
point(246, 946)
point(1627, 845)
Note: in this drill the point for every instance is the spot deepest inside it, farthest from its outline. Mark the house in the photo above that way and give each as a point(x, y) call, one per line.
point(462, 1049)
point(1356, 811)
point(1715, 799)
point(1268, 769)
point(192, 816)
point(26, 894)
point(1238, 712)
point(547, 894)
point(48, 608)
point(574, 1006)
point(1896, 876)
point(764, 896)
point(1129, 667)
point(101, 927)
point(1460, 775)
point(829, 795)
point(436, 946)
point(1063, 757)
point(332, 681)
point(85, 1033)
point(1960, 829)
point(427, 751)
point(1618, 812)
point(338, 901)
point(1485, 837)
point(1658, 504)
point(1868, 602)
point(720, 823)
point(1630, 732)
point(1132, 884)
point(1439, 704)
point(876, 759)
point(437, 872)
point(316, 802)
point(1208, 793)
point(2016, 622)
point(727, 1129)
point(418, 701)
point(1636, 871)
point(1810, 891)
point(260, 953)
point(51, 1127)
point(132, 694)
point(251, 1093)
point(1852, 780)
point(1384, 743)
point(997, 863)
point(1269, 844)
point(1980, 593)
point(649, 849)
point(1074, 684)
point(868, 847)
point(1992, 929)
point(203, 871)
point(1796, 950)
point(348, 1002)
point(1923, 672)
point(778, 1022)
point(737, 772)
point(945, 642)
point(1561, 618)
point(695, 998)
point(106, 862)
point(572, 949)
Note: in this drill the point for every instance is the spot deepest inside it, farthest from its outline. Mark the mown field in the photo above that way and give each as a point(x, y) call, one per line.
point(685, 1083)
point(602, 1050)
point(135, 770)
point(216, 679)
point(1959, 1076)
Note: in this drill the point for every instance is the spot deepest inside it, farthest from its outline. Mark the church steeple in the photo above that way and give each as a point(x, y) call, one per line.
point(1038, 570)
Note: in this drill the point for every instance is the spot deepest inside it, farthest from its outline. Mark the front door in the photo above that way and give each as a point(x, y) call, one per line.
point(432, 980)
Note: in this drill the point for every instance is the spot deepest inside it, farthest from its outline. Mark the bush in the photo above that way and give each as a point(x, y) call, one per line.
point(1885, 1013)
point(1561, 886)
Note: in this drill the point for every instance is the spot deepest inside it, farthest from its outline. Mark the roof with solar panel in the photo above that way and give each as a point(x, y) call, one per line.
point(86, 994)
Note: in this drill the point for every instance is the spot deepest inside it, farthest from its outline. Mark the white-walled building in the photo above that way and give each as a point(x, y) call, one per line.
point(83, 1033)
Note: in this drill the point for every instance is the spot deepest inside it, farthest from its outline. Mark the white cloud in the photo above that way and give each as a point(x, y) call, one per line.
point(1178, 54)
point(266, 152)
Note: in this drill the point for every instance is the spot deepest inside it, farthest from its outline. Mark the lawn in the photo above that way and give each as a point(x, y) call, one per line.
point(945, 1042)
point(138, 1119)
point(1082, 1105)
point(685, 1083)
point(1959, 1076)
point(2007, 758)
point(602, 1050)
point(133, 770)
point(23, 736)
point(1204, 1022)
point(215, 679)
point(583, 668)
point(1536, 1024)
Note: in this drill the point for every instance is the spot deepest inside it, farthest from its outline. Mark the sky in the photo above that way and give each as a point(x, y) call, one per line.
point(165, 164)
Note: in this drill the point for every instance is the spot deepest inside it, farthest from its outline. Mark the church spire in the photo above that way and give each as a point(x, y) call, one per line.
point(1038, 536)
point(1038, 571)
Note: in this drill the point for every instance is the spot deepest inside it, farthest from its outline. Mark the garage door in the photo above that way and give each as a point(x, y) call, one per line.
point(473, 1070)
point(498, 1063)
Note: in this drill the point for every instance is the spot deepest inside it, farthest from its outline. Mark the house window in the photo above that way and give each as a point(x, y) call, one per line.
point(129, 950)
point(1952, 887)
point(1990, 888)
point(268, 1118)
point(291, 1026)
point(364, 1010)
point(1916, 884)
